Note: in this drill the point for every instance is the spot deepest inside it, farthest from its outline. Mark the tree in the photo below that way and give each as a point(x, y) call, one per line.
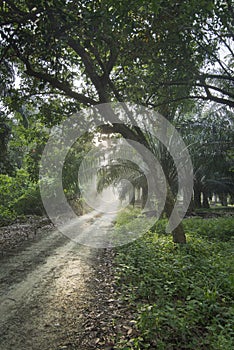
point(6, 166)
point(59, 42)
point(208, 134)
point(208, 76)
point(107, 48)
point(115, 171)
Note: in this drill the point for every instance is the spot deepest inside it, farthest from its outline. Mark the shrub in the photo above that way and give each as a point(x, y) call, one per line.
point(29, 203)
point(18, 196)
point(11, 188)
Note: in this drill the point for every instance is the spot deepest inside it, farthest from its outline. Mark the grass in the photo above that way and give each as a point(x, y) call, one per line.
point(183, 294)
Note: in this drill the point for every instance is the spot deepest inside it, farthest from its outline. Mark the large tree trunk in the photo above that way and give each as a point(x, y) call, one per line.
point(231, 200)
point(178, 233)
point(144, 196)
point(191, 207)
point(133, 197)
point(205, 202)
point(223, 199)
point(197, 197)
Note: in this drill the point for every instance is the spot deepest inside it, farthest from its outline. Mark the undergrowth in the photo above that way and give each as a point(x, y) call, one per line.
point(183, 294)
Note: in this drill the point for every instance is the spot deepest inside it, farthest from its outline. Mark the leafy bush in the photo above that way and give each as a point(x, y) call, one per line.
point(183, 294)
point(6, 215)
point(30, 202)
point(11, 188)
point(18, 196)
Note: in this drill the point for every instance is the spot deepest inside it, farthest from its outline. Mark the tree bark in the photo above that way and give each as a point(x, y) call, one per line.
point(144, 197)
point(205, 202)
point(191, 207)
point(133, 197)
point(178, 233)
point(223, 199)
point(197, 197)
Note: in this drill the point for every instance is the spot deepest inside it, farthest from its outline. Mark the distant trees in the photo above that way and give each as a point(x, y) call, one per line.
point(209, 135)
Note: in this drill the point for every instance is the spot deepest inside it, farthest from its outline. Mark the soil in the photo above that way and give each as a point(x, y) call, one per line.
point(57, 294)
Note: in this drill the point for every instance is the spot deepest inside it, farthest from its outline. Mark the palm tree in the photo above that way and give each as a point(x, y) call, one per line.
point(119, 169)
point(209, 136)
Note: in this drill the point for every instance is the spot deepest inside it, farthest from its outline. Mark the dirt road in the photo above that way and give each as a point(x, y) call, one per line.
point(46, 289)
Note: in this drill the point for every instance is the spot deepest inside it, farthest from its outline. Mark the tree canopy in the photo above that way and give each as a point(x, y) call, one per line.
point(60, 56)
point(96, 51)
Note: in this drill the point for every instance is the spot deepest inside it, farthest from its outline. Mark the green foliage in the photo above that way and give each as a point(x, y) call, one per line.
point(18, 197)
point(6, 161)
point(219, 229)
point(208, 132)
point(11, 188)
point(183, 294)
point(130, 225)
point(127, 216)
point(161, 44)
point(71, 54)
point(29, 203)
point(74, 158)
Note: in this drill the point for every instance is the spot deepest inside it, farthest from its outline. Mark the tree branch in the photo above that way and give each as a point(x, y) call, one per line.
point(89, 66)
point(86, 59)
point(192, 97)
point(16, 15)
point(112, 59)
point(218, 76)
point(212, 54)
point(215, 88)
point(206, 87)
point(54, 82)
